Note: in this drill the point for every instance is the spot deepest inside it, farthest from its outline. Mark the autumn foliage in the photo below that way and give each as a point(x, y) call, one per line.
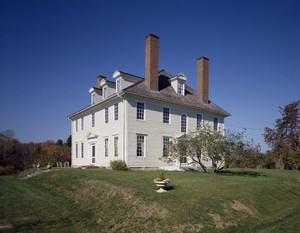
point(16, 156)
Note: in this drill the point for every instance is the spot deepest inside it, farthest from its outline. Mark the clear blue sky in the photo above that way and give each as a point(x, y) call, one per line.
point(51, 52)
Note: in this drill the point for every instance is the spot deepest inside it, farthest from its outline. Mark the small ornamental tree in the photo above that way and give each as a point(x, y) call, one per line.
point(202, 145)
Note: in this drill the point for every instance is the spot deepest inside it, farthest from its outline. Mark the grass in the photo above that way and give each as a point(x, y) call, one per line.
point(99, 200)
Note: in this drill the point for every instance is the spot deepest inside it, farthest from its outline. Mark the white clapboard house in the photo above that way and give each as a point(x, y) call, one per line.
point(134, 118)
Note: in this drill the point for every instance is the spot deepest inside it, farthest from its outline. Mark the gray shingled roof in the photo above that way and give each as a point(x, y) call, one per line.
point(168, 94)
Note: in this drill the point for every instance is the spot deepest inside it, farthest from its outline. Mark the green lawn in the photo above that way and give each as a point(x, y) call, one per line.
point(99, 200)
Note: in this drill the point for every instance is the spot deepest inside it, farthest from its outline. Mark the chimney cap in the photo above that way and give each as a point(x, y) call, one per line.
point(152, 35)
point(202, 58)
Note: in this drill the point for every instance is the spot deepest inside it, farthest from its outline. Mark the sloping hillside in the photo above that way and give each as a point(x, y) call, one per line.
point(97, 200)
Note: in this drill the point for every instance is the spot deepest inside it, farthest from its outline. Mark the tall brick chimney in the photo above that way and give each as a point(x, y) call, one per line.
point(202, 78)
point(151, 60)
point(99, 78)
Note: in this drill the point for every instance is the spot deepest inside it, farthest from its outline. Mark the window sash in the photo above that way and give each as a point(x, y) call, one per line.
point(140, 111)
point(183, 123)
point(166, 141)
point(106, 115)
point(82, 123)
point(166, 115)
point(216, 122)
point(93, 119)
point(106, 147)
point(199, 120)
point(116, 106)
point(140, 147)
point(118, 85)
point(76, 150)
point(116, 152)
point(82, 150)
point(104, 92)
point(180, 88)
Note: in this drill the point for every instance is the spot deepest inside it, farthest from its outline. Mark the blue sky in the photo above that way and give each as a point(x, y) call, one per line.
point(52, 51)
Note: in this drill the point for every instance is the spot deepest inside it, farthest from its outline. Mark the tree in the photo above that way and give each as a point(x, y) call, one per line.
point(202, 145)
point(69, 141)
point(59, 142)
point(285, 138)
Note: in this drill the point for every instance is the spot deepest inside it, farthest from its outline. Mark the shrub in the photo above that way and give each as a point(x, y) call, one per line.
point(118, 165)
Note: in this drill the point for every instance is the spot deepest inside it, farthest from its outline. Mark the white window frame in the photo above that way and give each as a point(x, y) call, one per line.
point(93, 98)
point(76, 150)
point(163, 108)
point(106, 115)
point(186, 121)
point(180, 88)
point(118, 85)
point(93, 119)
point(82, 123)
point(93, 146)
point(106, 147)
point(116, 150)
point(216, 126)
point(82, 149)
point(144, 112)
point(198, 124)
point(116, 111)
point(143, 149)
point(165, 138)
point(104, 92)
point(76, 125)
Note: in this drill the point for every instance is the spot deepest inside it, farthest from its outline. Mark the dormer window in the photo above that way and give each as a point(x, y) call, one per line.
point(104, 92)
point(180, 88)
point(177, 83)
point(118, 85)
point(93, 98)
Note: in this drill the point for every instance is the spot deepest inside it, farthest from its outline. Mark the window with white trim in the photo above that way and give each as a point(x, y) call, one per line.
point(118, 85)
point(93, 98)
point(166, 115)
point(76, 123)
point(104, 92)
point(183, 123)
point(166, 141)
point(140, 145)
point(216, 122)
point(82, 150)
point(140, 110)
point(199, 120)
point(180, 88)
point(116, 149)
point(82, 123)
point(76, 150)
point(106, 115)
point(106, 147)
point(116, 108)
point(93, 119)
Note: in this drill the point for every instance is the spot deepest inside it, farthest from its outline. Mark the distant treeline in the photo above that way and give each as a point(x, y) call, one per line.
point(16, 156)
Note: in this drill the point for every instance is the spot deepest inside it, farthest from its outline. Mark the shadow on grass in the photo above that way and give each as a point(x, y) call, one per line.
point(168, 188)
point(241, 173)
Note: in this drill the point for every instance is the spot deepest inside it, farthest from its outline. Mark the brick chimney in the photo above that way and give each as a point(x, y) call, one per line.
point(202, 78)
point(151, 61)
point(99, 78)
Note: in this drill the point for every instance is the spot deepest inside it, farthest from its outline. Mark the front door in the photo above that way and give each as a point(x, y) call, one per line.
point(93, 155)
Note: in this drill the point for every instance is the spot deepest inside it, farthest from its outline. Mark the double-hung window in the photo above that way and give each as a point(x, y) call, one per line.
point(82, 150)
point(118, 85)
point(166, 115)
point(106, 115)
point(180, 88)
point(199, 120)
point(76, 150)
point(140, 145)
point(183, 123)
point(76, 124)
point(116, 141)
point(106, 147)
point(104, 92)
point(216, 122)
point(166, 141)
point(140, 111)
point(82, 123)
point(93, 119)
point(116, 108)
